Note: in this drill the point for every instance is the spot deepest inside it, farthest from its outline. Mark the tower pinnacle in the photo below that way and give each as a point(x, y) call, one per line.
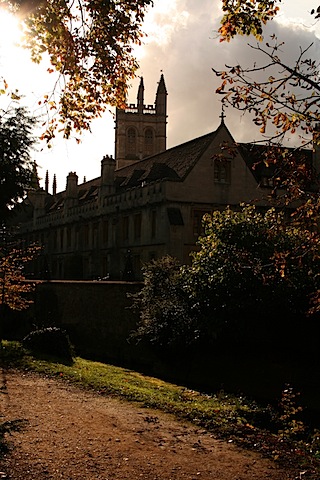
point(161, 97)
point(140, 97)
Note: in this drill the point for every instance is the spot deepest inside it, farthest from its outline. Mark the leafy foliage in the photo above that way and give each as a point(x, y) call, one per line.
point(165, 318)
point(90, 44)
point(50, 341)
point(291, 425)
point(16, 168)
point(246, 17)
point(288, 97)
point(252, 272)
point(13, 288)
point(252, 267)
point(285, 102)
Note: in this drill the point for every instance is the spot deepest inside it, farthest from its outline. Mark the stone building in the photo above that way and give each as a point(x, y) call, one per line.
point(141, 129)
point(149, 201)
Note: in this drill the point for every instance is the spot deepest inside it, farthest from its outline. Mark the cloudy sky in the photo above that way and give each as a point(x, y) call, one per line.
point(182, 43)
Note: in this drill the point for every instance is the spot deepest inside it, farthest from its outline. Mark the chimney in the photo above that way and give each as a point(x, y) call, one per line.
point(108, 166)
point(72, 184)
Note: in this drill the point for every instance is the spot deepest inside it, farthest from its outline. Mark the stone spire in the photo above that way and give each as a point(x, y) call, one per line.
point(54, 185)
point(47, 182)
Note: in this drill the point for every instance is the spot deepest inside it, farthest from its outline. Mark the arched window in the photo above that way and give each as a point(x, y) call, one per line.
point(148, 141)
point(148, 136)
point(131, 142)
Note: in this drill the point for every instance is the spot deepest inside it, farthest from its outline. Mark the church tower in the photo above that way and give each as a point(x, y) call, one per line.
point(141, 130)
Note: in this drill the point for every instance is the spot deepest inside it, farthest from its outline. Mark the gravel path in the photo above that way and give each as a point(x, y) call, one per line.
point(74, 434)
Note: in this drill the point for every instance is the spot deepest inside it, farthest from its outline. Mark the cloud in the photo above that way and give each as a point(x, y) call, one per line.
point(182, 42)
point(187, 55)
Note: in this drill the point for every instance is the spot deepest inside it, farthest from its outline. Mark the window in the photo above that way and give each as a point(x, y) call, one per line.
point(85, 235)
point(153, 223)
point(148, 141)
point(105, 267)
point(222, 171)
point(105, 232)
point(69, 237)
point(137, 225)
point(175, 216)
point(95, 233)
point(131, 141)
point(61, 238)
point(55, 241)
point(197, 222)
point(267, 182)
point(148, 137)
point(125, 228)
point(131, 135)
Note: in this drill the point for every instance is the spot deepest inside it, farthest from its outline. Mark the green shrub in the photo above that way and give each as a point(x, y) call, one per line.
point(50, 341)
point(165, 319)
point(250, 281)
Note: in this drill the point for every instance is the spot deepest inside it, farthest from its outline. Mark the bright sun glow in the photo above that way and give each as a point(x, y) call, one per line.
point(10, 32)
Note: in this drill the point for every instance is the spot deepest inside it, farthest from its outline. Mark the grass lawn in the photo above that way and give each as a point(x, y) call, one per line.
point(277, 434)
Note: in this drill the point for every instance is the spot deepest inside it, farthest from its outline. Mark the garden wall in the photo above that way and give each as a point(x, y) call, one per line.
point(96, 315)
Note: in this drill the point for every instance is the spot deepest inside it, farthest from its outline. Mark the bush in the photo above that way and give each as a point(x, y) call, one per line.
point(165, 319)
point(50, 341)
point(250, 281)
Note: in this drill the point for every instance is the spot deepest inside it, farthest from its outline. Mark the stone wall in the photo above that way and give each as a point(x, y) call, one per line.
point(96, 315)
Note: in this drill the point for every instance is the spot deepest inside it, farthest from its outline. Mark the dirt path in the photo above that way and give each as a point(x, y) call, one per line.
point(72, 434)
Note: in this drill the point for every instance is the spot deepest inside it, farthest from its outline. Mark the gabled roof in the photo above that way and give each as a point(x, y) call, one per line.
point(172, 164)
point(260, 159)
point(176, 163)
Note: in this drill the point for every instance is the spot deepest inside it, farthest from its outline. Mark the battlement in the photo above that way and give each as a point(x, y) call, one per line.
point(132, 108)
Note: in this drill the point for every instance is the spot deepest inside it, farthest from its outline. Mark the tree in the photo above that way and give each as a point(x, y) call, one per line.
point(13, 287)
point(16, 177)
point(285, 102)
point(249, 271)
point(16, 167)
point(165, 319)
point(14, 290)
point(246, 17)
point(246, 280)
point(90, 43)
